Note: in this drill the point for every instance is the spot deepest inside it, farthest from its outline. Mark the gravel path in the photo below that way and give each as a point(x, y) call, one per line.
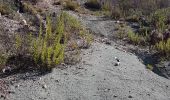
point(96, 77)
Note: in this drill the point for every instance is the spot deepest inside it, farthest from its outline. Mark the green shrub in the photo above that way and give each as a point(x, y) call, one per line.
point(150, 67)
point(159, 18)
point(134, 37)
point(48, 50)
point(163, 47)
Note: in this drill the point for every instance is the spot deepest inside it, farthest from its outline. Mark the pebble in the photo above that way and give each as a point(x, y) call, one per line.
point(44, 86)
point(115, 96)
point(130, 96)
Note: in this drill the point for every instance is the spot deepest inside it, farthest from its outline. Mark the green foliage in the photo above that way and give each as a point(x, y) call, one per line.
point(134, 37)
point(163, 47)
point(159, 18)
point(71, 22)
point(150, 67)
point(48, 50)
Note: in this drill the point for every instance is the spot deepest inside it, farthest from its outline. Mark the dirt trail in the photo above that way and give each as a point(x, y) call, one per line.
point(96, 77)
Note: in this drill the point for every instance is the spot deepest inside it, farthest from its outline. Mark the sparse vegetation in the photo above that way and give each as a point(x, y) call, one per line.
point(134, 37)
point(48, 48)
point(150, 67)
point(163, 47)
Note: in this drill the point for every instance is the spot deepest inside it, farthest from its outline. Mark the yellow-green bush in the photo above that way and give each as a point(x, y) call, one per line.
point(159, 18)
point(134, 37)
point(163, 47)
point(149, 66)
point(49, 50)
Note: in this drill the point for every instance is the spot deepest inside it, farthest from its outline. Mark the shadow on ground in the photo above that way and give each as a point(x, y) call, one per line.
point(154, 60)
point(23, 68)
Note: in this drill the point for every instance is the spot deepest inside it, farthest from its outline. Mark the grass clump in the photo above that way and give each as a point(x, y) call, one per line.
point(134, 37)
point(159, 19)
point(48, 50)
point(149, 66)
point(163, 47)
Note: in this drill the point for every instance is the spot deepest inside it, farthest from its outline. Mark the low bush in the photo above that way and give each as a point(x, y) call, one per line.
point(48, 49)
point(134, 37)
point(159, 19)
point(163, 47)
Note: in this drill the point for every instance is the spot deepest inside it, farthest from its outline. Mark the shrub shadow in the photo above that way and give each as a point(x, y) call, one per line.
point(154, 60)
point(24, 67)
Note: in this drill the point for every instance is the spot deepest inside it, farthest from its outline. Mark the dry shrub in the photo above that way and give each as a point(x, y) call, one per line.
point(71, 5)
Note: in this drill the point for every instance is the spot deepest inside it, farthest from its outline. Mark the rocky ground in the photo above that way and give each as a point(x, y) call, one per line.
point(94, 78)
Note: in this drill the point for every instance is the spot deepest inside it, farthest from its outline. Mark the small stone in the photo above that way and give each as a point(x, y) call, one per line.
point(44, 86)
point(115, 96)
point(11, 92)
point(130, 96)
point(117, 63)
point(17, 86)
point(57, 81)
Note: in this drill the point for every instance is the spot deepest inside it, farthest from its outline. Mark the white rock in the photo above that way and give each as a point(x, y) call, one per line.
point(44, 86)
